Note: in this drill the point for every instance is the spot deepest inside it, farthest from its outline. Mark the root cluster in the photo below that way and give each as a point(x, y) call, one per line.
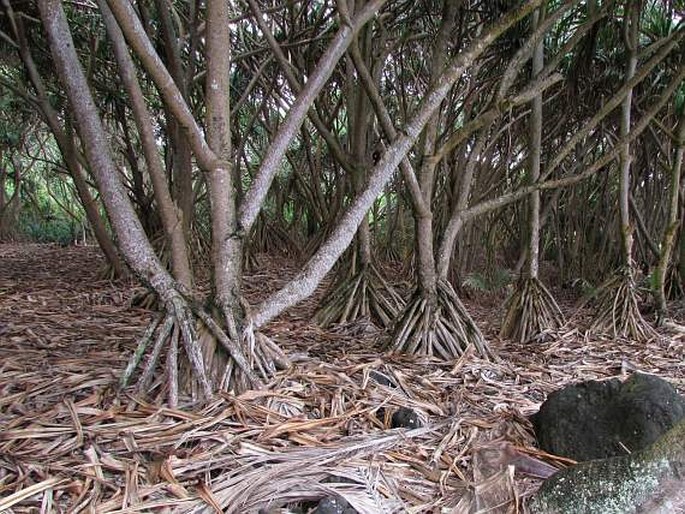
point(365, 294)
point(210, 361)
point(441, 328)
point(617, 309)
point(530, 311)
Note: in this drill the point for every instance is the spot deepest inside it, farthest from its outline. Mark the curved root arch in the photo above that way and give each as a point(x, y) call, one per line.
point(443, 330)
point(531, 310)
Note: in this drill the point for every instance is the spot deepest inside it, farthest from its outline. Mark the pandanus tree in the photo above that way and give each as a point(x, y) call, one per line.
point(360, 291)
point(531, 309)
point(239, 368)
point(435, 321)
point(238, 356)
point(618, 310)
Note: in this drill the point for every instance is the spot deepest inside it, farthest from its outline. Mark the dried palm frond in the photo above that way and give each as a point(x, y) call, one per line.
point(71, 441)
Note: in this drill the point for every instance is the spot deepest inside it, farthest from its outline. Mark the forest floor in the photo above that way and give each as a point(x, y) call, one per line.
point(70, 441)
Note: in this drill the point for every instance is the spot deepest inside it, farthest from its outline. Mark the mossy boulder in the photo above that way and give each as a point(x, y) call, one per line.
point(651, 481)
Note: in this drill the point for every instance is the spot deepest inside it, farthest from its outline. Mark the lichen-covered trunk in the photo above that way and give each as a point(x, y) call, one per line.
point(456, 221)
point(90, 205)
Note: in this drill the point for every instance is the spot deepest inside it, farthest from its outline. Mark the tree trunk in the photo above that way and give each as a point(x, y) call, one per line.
point(181, 155)
point(617, 310)
point(531, 309)
point(631, 34)
point(535, 156)
point(426, 272)
point(227, 242)
point(359, 291)
point(172, 219)
point(132, 239)
point(669, 238)
point(67, 147)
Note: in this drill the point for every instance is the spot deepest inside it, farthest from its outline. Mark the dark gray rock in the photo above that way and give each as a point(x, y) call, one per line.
point(405, 418)
point(381, 378)
point(596, 420)
point(334, 505)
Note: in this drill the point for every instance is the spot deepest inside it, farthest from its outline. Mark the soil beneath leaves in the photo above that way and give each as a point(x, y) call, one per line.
point(70, 440)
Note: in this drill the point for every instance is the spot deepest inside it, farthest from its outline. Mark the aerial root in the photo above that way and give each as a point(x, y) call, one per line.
point(530, 311)
point(365, 294)
point(617, 309)
point(174, 328)
point(215, 361)
point(675, 289)
point(443, 329)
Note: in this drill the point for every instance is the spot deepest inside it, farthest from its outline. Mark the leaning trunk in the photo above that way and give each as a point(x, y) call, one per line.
point(128, 229)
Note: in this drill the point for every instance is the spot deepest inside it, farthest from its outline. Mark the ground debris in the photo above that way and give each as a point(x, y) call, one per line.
point(70, 441)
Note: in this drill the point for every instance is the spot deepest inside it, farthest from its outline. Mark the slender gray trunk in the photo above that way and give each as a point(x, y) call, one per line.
point(669, 238)
point(535, 155)
point(631, 33)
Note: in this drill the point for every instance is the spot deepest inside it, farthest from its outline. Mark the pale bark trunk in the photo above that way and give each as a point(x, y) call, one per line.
point(295, 84)
point(271, 161)
point(631, 33)
point(227, 243)
point(535, 155)
point(170, 216)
